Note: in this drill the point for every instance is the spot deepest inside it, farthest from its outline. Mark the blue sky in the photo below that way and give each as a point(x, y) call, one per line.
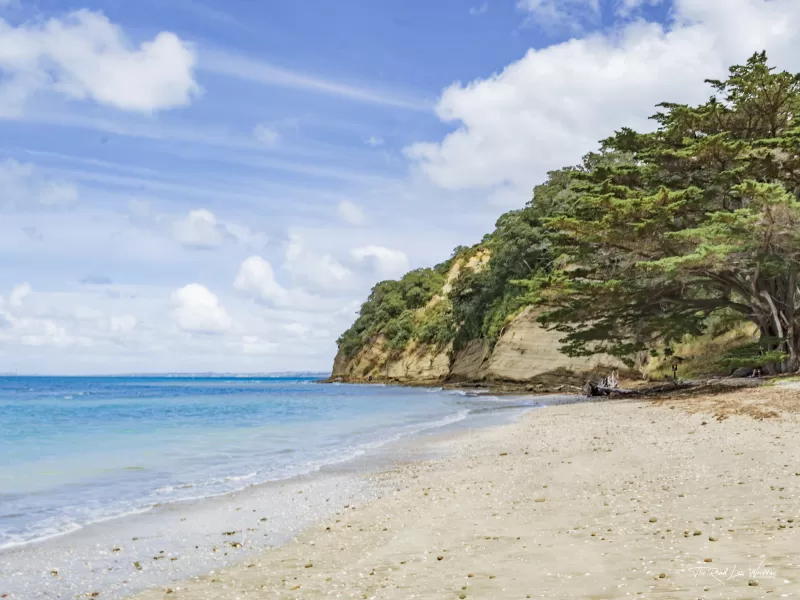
point(200, 185)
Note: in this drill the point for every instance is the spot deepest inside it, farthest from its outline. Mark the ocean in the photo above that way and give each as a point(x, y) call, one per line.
point(99, 454)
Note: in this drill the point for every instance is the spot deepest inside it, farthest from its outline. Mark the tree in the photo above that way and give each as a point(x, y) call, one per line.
point(703, 217)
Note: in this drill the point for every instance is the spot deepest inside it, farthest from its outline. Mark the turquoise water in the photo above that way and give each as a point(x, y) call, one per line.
point(77, 450)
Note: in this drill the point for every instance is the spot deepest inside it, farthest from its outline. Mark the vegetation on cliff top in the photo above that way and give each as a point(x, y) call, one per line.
point(649, 240)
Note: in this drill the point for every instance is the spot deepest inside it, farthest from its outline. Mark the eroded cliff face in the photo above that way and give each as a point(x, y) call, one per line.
point(525, 353)
point(417, 364)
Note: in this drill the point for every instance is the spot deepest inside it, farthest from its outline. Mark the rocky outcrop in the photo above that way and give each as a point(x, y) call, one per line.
point(525, 353)
point(417, 364)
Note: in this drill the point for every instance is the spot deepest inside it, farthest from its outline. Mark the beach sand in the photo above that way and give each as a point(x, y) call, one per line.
point(691, 497)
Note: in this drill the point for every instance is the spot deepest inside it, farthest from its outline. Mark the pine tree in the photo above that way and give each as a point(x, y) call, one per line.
point(703, 218)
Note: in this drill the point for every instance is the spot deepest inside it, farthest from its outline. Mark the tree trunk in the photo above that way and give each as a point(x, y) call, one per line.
point(789, 345)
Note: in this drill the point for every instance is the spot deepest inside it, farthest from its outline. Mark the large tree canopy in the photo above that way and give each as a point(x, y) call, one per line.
point(697, 217)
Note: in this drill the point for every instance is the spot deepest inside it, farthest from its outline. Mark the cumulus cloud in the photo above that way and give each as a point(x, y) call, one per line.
point(197, 310)
point(86, 57)
point(19, 293)
point(144, 329)
point(201, 229)
point(313, 271)
point(22, 187)
point(384, 262)
point(549, 108)
point(48, 333)
point(266, 135)
point(254, 240)
point(257, 278)
point(351, 213)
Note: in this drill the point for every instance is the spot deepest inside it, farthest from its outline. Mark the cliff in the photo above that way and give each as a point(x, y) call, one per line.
point(523, 353)
point(650, 248)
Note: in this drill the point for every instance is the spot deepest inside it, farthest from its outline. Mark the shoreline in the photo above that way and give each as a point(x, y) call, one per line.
point(538, 509)
point(122, 555)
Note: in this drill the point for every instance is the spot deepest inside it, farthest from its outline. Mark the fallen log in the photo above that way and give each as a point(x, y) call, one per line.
point(593, 389)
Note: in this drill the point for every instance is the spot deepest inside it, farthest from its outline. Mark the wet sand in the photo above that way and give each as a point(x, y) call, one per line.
point(693, 497)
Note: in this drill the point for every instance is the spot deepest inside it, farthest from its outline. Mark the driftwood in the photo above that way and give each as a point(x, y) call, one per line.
point(593, 389)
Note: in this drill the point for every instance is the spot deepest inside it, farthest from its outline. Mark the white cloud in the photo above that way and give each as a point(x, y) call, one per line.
point(313, 271)
point(19, 293)
point(139, 327)
point(384, 262)
point(198, 310)
point(266, 135)
point(625, 8)
point(351, 213)
point(49, 333)
point(257, 278)
point(561, 12)
point(550, 107)
point(254, 240)
point(122, 324)
point(250, 69)
point(84, 56)
point(479, 10)
point(374, 141)
point(199, 229)
point(23, 188)
point(253, 345)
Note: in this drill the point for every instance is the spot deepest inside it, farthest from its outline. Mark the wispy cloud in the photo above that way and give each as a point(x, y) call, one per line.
point(249, 69)
point(309, 169)
point(207, 12)
point(571, 14)
point(147, 130)
point(266, 134)
point(476, 11)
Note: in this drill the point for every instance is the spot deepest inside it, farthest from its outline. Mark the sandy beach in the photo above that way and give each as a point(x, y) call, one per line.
point(692, 497)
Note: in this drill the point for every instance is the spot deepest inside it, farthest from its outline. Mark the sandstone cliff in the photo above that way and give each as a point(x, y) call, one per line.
point(525, 353)
point(417, 364)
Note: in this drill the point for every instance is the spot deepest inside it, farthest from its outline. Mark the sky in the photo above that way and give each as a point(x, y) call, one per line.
point(216, 185)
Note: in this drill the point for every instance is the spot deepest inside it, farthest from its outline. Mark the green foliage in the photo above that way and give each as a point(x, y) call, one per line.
point(437, 326)
point(390, 310)
point(756, 355)
point(703, 218)
point(654, 239)
point(486, 300)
